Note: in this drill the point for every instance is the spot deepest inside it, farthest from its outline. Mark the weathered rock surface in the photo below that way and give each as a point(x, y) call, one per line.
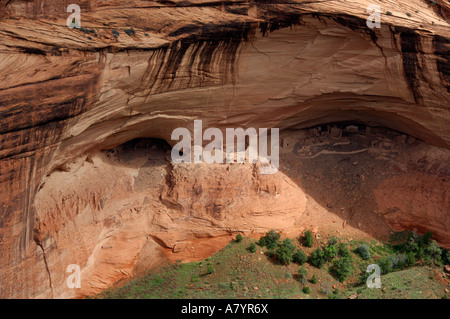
point(66, 94)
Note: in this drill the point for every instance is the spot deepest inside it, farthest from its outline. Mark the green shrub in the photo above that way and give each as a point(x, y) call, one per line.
point(270, 253)
point(398, 261)
point(317, 258)
point(314, 279)
point(301, 275)
point(342, 250)
point(272, 236)
point(306, 290)
point(342, 268)
point(300, 257)
point(410, 259)
point(270, 240)
point(385, 264)
point(419, 244)
point(412, 243)
point(364, 251)
point(130, 32)
point(239, 238)
point(262, 241)
point(330, 251)
point(283, 256)
point(285, 251)
point(421, 254)
point(402, 260)
point(363, 276)
point(210, 270)
point(434, 251)
point(252, 248)
point(426, 238)
point(115, 33)
point(308, 239)
point(288, 243)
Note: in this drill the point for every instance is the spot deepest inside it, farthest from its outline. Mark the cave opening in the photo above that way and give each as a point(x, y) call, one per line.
point(145, 143)
point(152, 148)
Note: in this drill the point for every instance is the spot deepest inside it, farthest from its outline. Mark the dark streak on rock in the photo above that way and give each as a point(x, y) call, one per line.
point(410, 42)
point(59, 112)
point(279, 20)
point(358, 25)
point(35, 51)
point(203, 44)
point(188, 29)
point(442, 51)
point(237, 9)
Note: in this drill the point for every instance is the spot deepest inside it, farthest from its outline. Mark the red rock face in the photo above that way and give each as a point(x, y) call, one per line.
point(66, 94)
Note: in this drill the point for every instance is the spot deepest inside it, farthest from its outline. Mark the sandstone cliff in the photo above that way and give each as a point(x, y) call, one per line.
point(66, 95)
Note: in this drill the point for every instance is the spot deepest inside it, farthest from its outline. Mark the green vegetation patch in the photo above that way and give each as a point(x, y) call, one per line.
point(411, 266)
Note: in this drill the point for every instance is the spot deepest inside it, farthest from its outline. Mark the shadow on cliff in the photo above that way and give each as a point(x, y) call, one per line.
point(376, 179)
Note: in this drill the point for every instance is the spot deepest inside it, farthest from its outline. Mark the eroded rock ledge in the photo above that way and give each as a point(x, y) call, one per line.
point(66, 95)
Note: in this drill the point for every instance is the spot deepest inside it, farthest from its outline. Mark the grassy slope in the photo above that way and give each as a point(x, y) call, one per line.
point(413, 283)
point(241, 274)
